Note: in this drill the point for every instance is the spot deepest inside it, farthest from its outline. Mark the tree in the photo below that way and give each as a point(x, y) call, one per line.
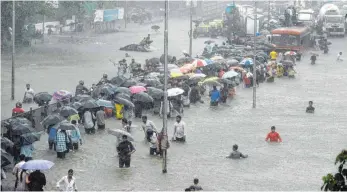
point(24, 10)
point(338, 181)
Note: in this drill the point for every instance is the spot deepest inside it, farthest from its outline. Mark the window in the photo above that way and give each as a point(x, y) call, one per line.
point(285, 40)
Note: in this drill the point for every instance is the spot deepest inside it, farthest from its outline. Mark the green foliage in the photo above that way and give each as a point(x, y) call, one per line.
point(342, 157)
point(329, 181)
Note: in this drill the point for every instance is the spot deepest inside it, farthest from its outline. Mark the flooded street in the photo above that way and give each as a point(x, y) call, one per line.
point(310, 141)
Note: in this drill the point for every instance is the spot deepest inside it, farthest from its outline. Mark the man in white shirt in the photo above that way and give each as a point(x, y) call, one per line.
point(147, 126)
point(28, 95)
point(179, 127)
point(69, 182)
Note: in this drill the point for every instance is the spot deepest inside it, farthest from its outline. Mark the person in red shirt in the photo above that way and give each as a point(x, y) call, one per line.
point(273, 135)
point(18, 109)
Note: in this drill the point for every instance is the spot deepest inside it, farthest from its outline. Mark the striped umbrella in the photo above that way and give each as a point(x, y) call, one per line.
point(199, 63)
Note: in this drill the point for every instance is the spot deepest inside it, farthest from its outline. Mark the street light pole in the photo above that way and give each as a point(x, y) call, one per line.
point(191, 29)
point(13, 47)
point(165, 139)
point(255, 53)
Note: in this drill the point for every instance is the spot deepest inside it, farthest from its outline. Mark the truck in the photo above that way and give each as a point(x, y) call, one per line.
point(330, 20)
point(306, 18)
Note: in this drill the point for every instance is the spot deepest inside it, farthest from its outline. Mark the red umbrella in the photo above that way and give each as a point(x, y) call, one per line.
point(137, 89)
point(187, 68)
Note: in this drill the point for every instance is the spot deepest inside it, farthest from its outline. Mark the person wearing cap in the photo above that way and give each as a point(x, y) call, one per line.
point(125, 149)
point(196, 185)
point(273, 135)
point(236, 154)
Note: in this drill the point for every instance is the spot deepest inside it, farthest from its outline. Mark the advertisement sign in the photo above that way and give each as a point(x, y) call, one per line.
point(110, 15)
point(99, 16)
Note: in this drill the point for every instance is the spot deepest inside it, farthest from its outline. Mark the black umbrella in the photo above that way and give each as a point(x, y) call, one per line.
point(77, 105)
point(51, 120)
point(155, 27)
point(118, 80)
point(19, 120)
point(29, 138)
point(91, 104)
point(82, 98)
point(106, 90)
point(7, 145)
point(155, 93)
point(124, 101)
point(67, 111)
point(65, 126)
point(226, 81)
point(6, 159)
point(194, 81)
point(124, 96)
point(21, 129)
point(152, 82)
point(209, 41)
point(129, 83)
point(122, 90)
point(143, 97)
point(141, 84)
point(42, 97)
point(162, 58)
point(154, 61)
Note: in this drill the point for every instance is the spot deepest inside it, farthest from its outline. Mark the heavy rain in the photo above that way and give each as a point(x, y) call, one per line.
point(211, 95)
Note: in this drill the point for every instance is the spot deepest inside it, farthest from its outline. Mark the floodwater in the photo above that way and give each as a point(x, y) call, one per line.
point(310, 141)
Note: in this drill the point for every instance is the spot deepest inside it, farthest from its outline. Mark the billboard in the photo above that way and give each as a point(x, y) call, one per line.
point(109, 15)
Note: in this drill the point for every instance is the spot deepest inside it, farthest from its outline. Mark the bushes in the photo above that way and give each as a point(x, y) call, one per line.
point(338, 181)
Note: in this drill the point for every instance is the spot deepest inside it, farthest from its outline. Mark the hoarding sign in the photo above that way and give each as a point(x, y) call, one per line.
point(110, 15)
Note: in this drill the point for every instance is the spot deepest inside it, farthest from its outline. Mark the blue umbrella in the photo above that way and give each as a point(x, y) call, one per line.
point(209, 62)
point(247, 62)
point(37, 165)
point(105, 103)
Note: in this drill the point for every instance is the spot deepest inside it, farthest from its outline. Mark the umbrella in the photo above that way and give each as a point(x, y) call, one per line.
point(209, 61)
point(187, 68)
point(137, 89)
point(174, 92)
point(199, 63)
point(37, 165)
point(76, 105)
point(118, 80)
point(291, 53)
point(6, 158)
point(42, 97)
point(65, 125)
point(124, 101)
point(107, 90)
point(154, 61)
point(119, 133)
point(123, 95)
point(20, 129)
point(6, 145)
point(184, 60)
point(227, 81)
point(175, 74)
point(129, 83)
point(196, 75)
point(83, 98)
point(162, 58)
point(61, 95)
point(141, 84)
point(155, 93)
point(238, 68)
point(67, 111)
point(19, 120)
point(247, 62)
point(211, 81)
point(209, 41)
point(91, 104)
point(144, 97)
point(287, 62)
point(155, 27)
point(232, 62)
point(105, 103)
point(152, 82)
point(217, 57)
point(30, 138)
point(50, 120)
point(230, 74)
point(122, 90)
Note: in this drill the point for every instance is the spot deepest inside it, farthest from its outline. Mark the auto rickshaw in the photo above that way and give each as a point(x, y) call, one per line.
point(201, 30)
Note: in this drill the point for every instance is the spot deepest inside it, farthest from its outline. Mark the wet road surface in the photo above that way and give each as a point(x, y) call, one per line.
point(310, 141)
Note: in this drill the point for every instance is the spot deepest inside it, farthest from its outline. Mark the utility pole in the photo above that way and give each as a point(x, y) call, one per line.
point(255, 53)
point(165, 138)
point(126, 14)
point(43, 29)
point(268, 11)
point(191, 29)
point(13, 47)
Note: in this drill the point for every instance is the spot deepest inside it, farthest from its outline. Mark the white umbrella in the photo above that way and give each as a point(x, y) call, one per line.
point(230, 74)
point(37, 165)
point(120, 133)
point(174, 92)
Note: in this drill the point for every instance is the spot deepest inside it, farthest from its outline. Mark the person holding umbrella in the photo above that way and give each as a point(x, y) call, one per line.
point(36, 181)
point(61, 143)
point(125, 149)
point(88, 122)
point(100, 118)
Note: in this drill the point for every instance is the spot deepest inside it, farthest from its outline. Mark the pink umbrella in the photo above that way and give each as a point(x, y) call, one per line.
point(199, 63)
point(187, 68)
point(137, 89)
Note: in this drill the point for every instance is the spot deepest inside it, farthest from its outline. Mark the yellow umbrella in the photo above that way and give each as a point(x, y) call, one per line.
point(175, 74)
point(211, 81)
point(217, 57)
